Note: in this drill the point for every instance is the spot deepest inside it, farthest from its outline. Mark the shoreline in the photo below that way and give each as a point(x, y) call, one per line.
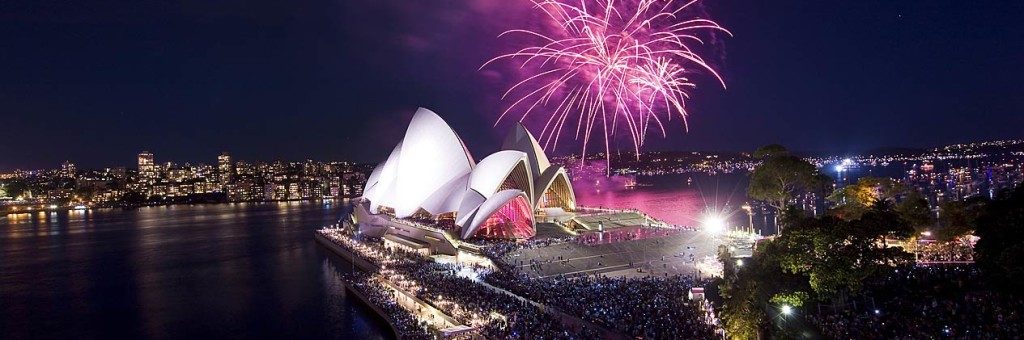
point(170, 204)
point(364, 266)
point(380, 313)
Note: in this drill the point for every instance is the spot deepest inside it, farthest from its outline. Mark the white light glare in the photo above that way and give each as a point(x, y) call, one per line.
point(714, 224)
point(787, 309)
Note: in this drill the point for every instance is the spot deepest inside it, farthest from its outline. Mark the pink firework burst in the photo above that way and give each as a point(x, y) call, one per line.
point(603, 65)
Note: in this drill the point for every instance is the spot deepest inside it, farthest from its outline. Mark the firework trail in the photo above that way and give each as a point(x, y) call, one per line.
point(601, 64)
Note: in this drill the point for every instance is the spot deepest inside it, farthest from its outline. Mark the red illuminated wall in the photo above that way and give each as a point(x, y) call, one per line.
point(513, 220)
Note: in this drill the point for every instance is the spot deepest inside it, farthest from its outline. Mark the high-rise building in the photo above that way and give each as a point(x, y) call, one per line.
point(147, 169)
point(67, 169)
point(225, 168)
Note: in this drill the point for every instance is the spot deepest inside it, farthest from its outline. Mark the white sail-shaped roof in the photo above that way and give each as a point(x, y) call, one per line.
point(544, 175)
point(429, 158)
point(520, 139)
point(448, 197)
point(547, 180)
point(378, 186)
point(489, 174)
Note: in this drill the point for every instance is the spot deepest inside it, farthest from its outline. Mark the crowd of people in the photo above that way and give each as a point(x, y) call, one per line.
point(497, 315)
point(492, 313)
point(359, 245)
point(952, 251)
point(406, 325)
point(929, 302)
point(648, 307)
point(497, 249)
point(627, 234)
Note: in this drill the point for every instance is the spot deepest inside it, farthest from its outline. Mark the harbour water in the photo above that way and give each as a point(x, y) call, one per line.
point(203, 271)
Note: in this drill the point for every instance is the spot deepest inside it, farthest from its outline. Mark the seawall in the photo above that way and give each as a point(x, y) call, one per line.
point(387, 318)
point(363, 266)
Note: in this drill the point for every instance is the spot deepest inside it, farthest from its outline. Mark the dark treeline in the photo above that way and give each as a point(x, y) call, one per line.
point(848, 273)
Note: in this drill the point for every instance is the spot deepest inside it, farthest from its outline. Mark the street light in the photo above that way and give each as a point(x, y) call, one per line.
point(750, 215)
point(714, 224)
point(787, 309)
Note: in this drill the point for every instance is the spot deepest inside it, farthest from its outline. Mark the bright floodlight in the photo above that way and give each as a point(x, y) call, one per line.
point(714, 224)
point(787, 310)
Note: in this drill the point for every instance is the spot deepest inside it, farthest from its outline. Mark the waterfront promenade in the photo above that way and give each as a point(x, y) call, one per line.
point(453, 299)
point(428, 308)
point(432, 317)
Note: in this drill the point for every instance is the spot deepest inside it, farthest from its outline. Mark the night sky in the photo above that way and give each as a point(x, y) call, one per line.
point(96, 82)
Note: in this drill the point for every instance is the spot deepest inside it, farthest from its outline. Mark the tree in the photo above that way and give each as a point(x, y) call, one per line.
point(914, 209)
point(958, 218)
point(745, 295)
point(1000, 249)
point(133, 198)
point(854, 200)
point(749, 292)
point(85, 192)
point(837, 256)
point(16, 188)
point(781, 177)
point(769, 151)
point(817, 259)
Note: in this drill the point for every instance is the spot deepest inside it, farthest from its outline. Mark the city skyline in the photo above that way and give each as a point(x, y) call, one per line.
point(216, 160)
point(849, 76)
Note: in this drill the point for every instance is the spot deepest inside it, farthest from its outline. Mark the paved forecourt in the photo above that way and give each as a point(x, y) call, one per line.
point(672, 255)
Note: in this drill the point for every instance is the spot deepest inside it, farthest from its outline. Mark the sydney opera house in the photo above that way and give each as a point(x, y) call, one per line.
point(431, 185)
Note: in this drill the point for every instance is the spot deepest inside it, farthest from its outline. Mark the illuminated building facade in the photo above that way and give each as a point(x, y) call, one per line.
point(147, 169)
point(431, 176)
point(68, 170)
point(225, 168)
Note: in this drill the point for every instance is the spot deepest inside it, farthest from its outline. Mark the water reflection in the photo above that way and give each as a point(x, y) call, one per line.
point(228, 270)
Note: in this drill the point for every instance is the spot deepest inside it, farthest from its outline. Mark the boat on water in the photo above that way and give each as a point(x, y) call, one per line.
point(632, 183)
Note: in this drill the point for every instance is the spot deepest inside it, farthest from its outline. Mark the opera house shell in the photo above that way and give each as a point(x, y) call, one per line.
point(431, 176)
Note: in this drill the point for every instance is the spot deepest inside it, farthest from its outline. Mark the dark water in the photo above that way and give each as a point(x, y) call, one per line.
point(205, 271)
